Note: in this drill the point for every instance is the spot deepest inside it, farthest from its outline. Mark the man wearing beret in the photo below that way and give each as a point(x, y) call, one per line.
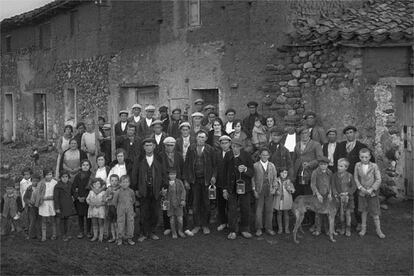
point(200, 173)
point(165, 119)
point(349, 149)
point(248, 122)
point(230, 114)
point(136, 114)
point(329, 149)
point(121, 128)
point(173, 129)
point(144, 126)
point(317, 133)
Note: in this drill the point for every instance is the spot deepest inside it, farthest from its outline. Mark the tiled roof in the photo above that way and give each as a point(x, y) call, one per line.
point(377, 22)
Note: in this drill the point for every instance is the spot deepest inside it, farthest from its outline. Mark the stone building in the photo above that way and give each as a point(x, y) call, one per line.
point(72, 59)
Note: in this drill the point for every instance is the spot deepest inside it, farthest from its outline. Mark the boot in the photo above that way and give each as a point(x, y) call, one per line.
point(363, 224)
point(286, 218)
point(378, 227)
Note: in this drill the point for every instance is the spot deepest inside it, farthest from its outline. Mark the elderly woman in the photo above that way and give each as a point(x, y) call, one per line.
point(216, 133)
point(71, 158)
point(62, 144)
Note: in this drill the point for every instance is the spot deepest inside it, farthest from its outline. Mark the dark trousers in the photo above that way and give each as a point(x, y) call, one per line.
point(356, 212)
point(305, 190)
point(201, 203)
point(221, 206)
point(81, 222)
point(150, 209)
point(166, 220)
point(63, 225)
point(243, 202)
point(34, 221)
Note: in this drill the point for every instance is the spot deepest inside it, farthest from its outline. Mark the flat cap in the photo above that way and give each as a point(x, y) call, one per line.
point(324, 159)
point(309, 113)
point(176, 109)
point(156, 122)
point(148, 140)
point(185, 124)
point(199, 101)
point(224, 137)
point(124, 112)
point(332, 129)
point(209, 106)
point(252, 103)
point(150, 107)
point(106, 126)
point(237, 141)
point(230, 110)
point(197, 114)
point(169, 141)
point(349, 128)
point(163, 108)
point(136, 106)
point(279, 131)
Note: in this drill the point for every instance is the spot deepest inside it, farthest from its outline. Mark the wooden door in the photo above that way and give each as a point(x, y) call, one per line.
point(147, 96)
point(8, 117)
point(210, 96)
point(408, 127)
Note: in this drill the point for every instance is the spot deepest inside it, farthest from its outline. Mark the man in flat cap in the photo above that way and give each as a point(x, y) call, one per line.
point(198, 105)
point(184, 140)
point(317, 133)
point(349, 149)
point(121, 128)
point(106, 147)
point(174, 126)
point(329, 149)
point(164, 117)
point(248, 122)
point(131, 143)
point(279, 154)
point(144, 126)
point(207, 110)
point(136, 114)
point(196, 125)
point(230, 115)
point(158, 136)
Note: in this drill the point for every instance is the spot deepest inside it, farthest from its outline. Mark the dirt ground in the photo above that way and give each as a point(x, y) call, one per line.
point(214, 254)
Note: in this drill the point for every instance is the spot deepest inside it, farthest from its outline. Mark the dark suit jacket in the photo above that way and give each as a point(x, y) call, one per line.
point(210, 138)
point(209, 164)
point(144, 131)
point(173, 128)
point(248, 123)
point(335, 156)
point(119, 134)
point(134, 150)
point(353, 156)
point(139, 176)
point(159, 147)
point(280, 157)
point(178, 163)
point(221, 173)
point(179, 145)
point(233, 174)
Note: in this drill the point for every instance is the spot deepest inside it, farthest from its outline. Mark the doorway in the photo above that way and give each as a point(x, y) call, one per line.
point(8, 123)
point(408, 128)
point(146, 95)
point(40, 123)
point(210, 96)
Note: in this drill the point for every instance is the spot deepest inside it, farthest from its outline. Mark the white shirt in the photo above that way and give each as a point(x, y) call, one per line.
point(264, 164)
point(101, 173)
point(229, 127)
point(365, 168)
point(186, 145)
point(123, 125)
point(157, 138)
point(331, 150)
point(150, 159)
point(119, 170)
point(290, 142)
point(136, 119)
point(149, 122)
point(24, 184)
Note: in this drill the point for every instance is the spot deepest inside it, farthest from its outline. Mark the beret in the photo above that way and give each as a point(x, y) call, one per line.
point(309, 113)
point(199, 101)
point(136, 106)
point(163, 109)
point(169, 141)
point(348, 128)
point(252, 103)
point(278, 130)
point(324, 159)
point(176, 109)
point(106, 126)
point(124, 112)
point(237, 141)
point(197, 114)
point(185, 124)
point(332, 129)
point(225, 137)
point(230, 110)
point(149, 107)
point(156, 122)
point(209, 107)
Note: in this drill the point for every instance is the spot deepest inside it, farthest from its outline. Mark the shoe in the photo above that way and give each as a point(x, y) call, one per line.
point(167, 232)
point(89, 235)
point(181, 234)
point(280, 231)
point(119, 242)
point(348, 231)
point(80, 236)
point(94, 239)
point(232, 236)
point(111, 240)
point(206, 231)
point(65, 239)
point(142, 238)
point(154, 237)
point(270, 232)
point(259, 233)
point(53, 237)
point(246, 235)
point(130, 242)
point(221, 227)
point(316, 233)
point(287, 231)
point(43, 240)
point(195, 230)
point(174, 235)
point(189, 233)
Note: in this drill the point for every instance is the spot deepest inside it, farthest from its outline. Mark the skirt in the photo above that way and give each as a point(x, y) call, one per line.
point(96, 212)
point(369, 204)
point(47, 209)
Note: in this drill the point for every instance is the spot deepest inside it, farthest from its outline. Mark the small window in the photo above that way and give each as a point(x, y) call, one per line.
point(194, 13)
point(73, 22)
point(8, 43)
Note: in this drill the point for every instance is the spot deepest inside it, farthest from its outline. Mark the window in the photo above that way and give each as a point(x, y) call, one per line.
point(8, 43)
point(194, 13)
point(73, 22)
point(44, 36)
point(70, 106)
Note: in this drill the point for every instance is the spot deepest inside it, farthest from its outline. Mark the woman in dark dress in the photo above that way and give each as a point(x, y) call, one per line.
point(215, 134)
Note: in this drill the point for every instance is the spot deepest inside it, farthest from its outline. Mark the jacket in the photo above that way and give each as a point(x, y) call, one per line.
point(134, 149)
point(173, 128)
point(248, 123)
point(176, 193)
point(281, 158)
point(62, 198)
point(233, 174)
point(311, 154)
point(333, 168)
point(210, 139)
point(221, 173)
point(353, 155)
point(318, 135)
point(120, 134)
point(178, 163)
point(159, 147)
point(343, 183)
point(179, 145)
point(372, 179)
point(40, 195)
point(144, 131)
point(158, 175)
point(258, 177)
point(209, 162)
point(259, 137)
point(321, 182)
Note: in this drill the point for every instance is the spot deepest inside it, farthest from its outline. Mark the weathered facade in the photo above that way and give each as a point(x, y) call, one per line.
point(72, 59)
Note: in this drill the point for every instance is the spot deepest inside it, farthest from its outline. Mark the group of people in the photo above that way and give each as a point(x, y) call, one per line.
point(181, 170)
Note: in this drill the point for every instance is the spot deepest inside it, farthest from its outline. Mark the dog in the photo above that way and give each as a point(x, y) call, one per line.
point(304, 203)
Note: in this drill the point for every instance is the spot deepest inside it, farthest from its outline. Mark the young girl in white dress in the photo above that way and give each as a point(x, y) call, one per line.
point(96, 210)
point(45, 203)
point(283, 200)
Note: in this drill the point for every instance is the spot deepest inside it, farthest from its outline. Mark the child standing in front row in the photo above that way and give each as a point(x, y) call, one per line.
point(176, 198)
point(32, 211)
point(124, 201)
point(283, 201)
point(368, 180)
point(111, 208)
point(63, 203)
point(96, 209)
point(11, 206)
point(45, 202)
point(343, 184)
